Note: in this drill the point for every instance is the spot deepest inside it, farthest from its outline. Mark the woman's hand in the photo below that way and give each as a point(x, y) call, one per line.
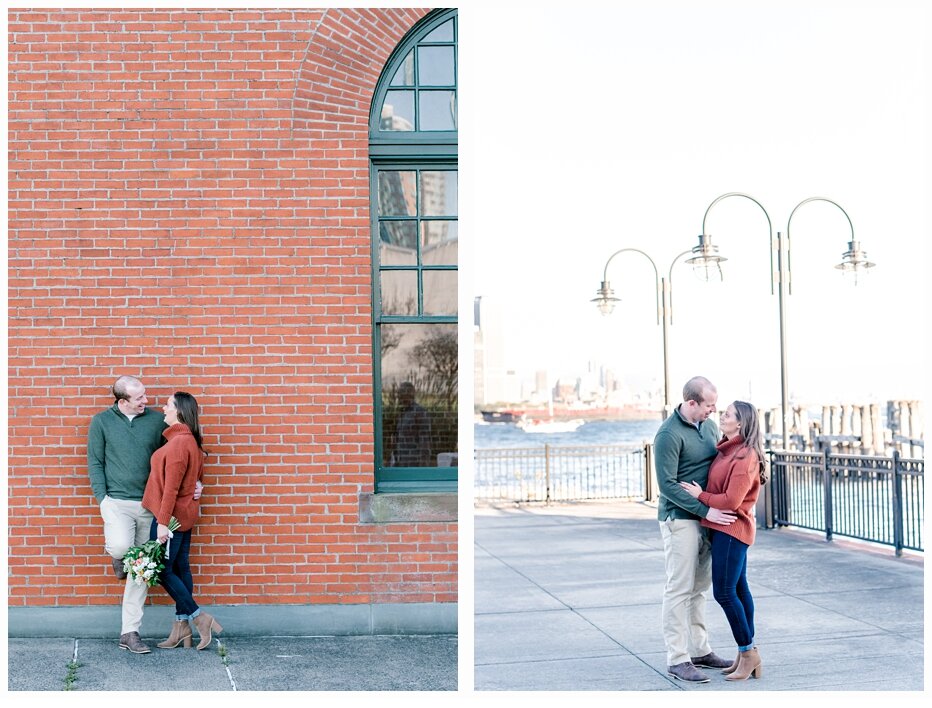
point(692, 488)
point(162, 533)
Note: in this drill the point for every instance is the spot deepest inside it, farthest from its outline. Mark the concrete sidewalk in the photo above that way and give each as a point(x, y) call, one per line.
point(568, 597)
point(346, 663)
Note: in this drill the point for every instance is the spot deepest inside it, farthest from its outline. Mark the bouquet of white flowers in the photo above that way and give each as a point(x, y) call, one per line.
point(143, 564)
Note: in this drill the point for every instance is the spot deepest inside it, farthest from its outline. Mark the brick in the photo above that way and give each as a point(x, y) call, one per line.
point(189, 201)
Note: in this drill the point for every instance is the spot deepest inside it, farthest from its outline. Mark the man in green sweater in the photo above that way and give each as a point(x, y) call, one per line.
point(684, 448)
point(120, 442)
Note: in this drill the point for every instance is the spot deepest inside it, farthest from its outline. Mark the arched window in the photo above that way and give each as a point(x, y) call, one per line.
point(413, 166)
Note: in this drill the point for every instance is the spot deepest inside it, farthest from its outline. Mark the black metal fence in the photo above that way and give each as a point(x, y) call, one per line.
point(878, 499)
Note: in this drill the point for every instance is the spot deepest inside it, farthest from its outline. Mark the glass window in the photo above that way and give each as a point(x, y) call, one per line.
point(398, 111)
point(419, 395)
point(443, 33)
point(436, 66)
point(405, 74)
point(415, 270)
point(423, 70)
point(438, 193)
point(414, 185)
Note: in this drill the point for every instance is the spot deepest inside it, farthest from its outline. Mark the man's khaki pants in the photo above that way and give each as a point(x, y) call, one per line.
point(688, 561)
point(127, 524)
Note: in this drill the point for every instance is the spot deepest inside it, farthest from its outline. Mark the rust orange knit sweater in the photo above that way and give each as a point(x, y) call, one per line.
point(173, 471)
point(734, 483)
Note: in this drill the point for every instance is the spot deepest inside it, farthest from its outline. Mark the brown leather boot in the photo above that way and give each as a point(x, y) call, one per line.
point(205, 623)
point(181, 632)
point(748, 665)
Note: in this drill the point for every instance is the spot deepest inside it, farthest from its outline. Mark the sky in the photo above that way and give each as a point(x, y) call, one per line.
point(604, 128)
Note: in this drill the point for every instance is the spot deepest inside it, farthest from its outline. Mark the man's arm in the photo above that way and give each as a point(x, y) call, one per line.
point(666, 461)
point(716, 515)
point(96, 450)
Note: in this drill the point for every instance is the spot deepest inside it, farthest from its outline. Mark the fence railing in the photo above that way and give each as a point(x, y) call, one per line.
point(548, 473)
point(877, 499)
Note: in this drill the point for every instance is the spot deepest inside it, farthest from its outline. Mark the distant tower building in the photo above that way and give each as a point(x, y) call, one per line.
point(489, 375)
point(541, 386)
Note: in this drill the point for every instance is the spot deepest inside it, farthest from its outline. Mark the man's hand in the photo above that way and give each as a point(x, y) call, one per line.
point(198, 488)
point(720, 516)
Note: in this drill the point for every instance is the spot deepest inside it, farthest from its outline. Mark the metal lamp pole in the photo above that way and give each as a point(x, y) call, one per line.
point(663, 294)
point(852, 261)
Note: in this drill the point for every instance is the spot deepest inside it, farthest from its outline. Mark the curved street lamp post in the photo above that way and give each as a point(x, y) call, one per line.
point(707, 258)
point(663, 294)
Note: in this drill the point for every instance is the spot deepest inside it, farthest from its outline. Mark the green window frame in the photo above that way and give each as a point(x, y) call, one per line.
point(414, 226)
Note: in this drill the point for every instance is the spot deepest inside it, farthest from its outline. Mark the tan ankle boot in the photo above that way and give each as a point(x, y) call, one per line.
point(205, 623)
point(749, 664)
point(734, 665)
point(181, 632)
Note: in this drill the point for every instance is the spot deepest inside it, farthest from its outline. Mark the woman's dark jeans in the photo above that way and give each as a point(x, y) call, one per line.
point(177, 578)
point(730, 586)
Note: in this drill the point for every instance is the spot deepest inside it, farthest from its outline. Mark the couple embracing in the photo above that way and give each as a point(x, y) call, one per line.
point(146, 471)
point(709, 481)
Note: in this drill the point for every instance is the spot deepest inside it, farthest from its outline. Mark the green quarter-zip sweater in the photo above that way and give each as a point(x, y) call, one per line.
point(683, 453)
point(119, 450)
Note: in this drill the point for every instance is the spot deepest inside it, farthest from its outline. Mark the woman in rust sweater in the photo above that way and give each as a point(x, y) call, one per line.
point(176, 469)
point(734, 483)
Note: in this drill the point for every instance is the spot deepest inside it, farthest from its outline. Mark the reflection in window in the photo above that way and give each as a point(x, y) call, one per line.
point(437, 110)
point(397, 193)
point(398, 289)
point(428, 73)
point(437, 67)
point(443, 33)
point(398, 243)
point(440, 292)
point(417, 222)
point(438, 193)
point(415, 235)
point(398, 111)
point(405, 74)
point(438, 242)
point(419, 372)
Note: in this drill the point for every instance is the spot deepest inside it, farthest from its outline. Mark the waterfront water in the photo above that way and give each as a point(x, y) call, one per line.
point(596, 432)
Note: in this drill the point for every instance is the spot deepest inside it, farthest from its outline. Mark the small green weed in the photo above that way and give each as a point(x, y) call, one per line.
point(72, 675)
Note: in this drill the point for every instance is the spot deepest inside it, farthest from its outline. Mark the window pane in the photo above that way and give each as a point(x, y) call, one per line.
point(435, 66)
point(398, 243)
point(399, 292)
point(440, 292)
point(438, 193)
point(439, 242)
point(405, 74)
point(397, 193)
point(437, 110)
point(419, 394)
point(444, 33)
point(397, 111)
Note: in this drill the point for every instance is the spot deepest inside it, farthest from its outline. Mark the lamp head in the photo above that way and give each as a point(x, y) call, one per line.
point(854, 262)
point(606, 298)
point(707, 263)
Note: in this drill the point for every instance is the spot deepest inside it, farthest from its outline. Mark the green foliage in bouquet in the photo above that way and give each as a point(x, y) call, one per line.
point(143, 564)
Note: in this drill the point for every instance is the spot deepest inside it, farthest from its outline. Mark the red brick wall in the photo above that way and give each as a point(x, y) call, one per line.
point(189, 203)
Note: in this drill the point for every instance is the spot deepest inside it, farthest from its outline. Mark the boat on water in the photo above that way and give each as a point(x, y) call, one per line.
point(500, 416)
point(529, 425)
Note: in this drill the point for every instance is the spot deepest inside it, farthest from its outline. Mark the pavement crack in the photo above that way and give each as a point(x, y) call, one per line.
point(72, 676)
point(225, 660)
